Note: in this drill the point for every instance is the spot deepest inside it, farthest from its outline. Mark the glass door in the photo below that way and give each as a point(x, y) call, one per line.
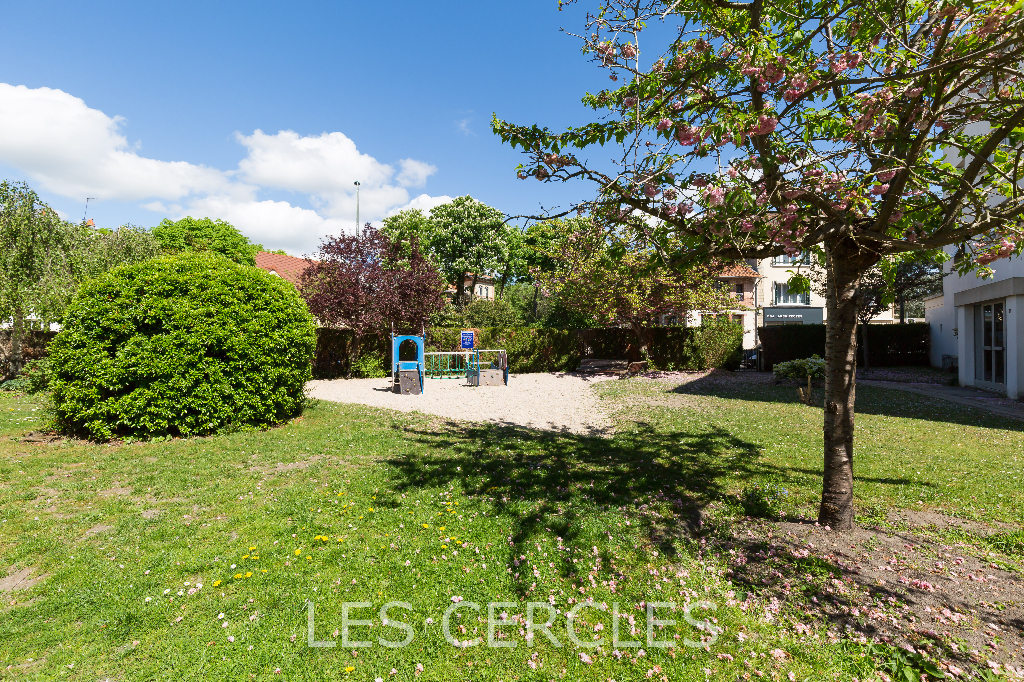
point(990, 354)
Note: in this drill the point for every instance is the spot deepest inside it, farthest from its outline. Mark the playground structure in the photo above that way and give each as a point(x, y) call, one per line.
point(490, 370)
point(409, 376)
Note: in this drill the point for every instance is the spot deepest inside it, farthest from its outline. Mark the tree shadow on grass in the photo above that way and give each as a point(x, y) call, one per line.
point(560, 484)
point(889, 402)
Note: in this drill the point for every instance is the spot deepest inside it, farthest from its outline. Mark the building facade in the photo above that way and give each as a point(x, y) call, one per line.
point(977, 325)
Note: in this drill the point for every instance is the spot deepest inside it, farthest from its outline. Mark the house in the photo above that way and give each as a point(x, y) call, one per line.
point(779, 305)
point(977, 325)
point(484, 288)
point(288, 268)
point(763, 298)
point(741, 281)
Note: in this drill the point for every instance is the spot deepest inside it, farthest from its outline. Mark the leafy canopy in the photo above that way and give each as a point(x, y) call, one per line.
point(771, 127)
point(217, 236)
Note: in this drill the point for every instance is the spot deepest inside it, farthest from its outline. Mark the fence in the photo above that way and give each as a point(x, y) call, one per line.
point(889, 345)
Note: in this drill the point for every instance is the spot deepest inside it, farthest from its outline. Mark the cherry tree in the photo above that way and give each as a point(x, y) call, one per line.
point(858, 130)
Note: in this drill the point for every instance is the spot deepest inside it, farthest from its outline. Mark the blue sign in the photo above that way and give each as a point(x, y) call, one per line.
point(467, 340)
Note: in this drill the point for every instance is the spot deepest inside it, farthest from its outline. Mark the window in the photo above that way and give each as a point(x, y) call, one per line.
point(799, 259)
point(783, 297)
point(739, 290)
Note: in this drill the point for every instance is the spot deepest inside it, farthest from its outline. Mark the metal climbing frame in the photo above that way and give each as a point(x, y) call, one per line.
point(444, 365)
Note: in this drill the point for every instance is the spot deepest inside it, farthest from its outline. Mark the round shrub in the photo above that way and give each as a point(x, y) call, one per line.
point(183, 345)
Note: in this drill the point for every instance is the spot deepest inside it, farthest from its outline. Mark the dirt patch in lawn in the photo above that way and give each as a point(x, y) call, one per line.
point(953, 601)
point(19, 579)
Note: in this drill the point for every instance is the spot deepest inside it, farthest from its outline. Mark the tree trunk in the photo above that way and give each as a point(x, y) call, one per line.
point(903, 309)
point(17, 333)
point(846, 263)
point(472, 289)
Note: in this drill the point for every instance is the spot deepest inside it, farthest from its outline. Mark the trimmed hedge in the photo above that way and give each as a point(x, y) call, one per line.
point(889, 345)
point(718, 344)
point(180, 346)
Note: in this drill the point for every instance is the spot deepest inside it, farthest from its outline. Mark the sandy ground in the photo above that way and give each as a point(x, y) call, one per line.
point(555, 402)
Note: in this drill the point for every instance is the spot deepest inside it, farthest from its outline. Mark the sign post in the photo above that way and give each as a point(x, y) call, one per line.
point(468, 340)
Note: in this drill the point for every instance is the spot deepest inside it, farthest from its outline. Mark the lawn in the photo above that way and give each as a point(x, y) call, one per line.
point(197, 559)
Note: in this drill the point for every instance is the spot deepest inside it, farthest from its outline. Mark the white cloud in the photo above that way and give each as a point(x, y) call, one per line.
point(275, 224)
point(415, 173)
point(69, 149)
point(66, 148)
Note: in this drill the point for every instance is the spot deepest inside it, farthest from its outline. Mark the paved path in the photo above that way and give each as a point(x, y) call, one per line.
point(962, 395)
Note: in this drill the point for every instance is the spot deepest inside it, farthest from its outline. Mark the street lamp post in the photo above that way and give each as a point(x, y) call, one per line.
point(356, 183)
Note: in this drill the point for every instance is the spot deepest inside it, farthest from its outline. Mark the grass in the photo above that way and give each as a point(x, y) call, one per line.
point(349, 504)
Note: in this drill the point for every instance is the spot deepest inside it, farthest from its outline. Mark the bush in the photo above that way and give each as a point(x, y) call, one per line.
point(496, 313)
point(763, 500)
point(717, 342)
point(370, 366)
point(813, 367)
point(37, 375)
point(180, 346)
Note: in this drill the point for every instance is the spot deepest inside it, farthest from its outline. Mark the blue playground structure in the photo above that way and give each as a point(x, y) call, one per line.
point(407, 375)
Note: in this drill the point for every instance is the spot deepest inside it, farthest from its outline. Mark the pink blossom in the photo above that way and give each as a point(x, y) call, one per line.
point(885, 176)
point(747, 226)
point(750, 70)
point(715, 196)
point(663, 124)
point(700, 182)
point(629, 102)
point(586, 659)
point(651, 190)
point(914, 92)
point(628, 50)
point(765, 124)
point(793, 193)
point(878, 190)
point(686, 135)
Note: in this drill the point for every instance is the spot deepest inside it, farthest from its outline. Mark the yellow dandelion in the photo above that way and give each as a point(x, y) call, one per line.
point(249, 574)
point(264, 570)
point(441, 528)
point(360, 516)
point(252, 549)
point(255, 556)
point(298, 552)
point(216, 582)
point(444, 546)
point(349, 668)
point(237, 576)
point(245, 556)
point(371, 508)
point(426, 525)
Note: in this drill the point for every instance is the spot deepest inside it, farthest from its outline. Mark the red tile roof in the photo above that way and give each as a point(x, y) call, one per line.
point(289, 268)
point(738, 270)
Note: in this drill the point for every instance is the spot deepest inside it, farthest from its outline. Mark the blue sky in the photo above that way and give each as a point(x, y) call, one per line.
point(154, 108)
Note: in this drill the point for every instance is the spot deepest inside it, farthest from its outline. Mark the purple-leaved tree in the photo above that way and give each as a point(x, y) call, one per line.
point(369, 284)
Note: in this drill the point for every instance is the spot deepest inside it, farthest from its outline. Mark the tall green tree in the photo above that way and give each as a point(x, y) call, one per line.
point(464, 239)
point(763, 127)
point(204, 234)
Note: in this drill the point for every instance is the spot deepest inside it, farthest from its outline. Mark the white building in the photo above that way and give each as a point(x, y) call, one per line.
point(978, 325)
point(763, 298)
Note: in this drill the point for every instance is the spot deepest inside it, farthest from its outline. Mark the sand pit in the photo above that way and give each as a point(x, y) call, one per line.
point(554, 402)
